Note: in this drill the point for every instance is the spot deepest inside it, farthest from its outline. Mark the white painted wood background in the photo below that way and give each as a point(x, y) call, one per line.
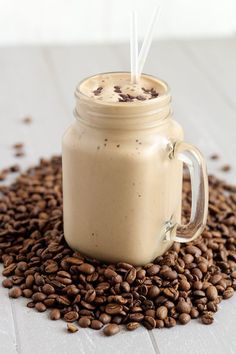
point(40, 81)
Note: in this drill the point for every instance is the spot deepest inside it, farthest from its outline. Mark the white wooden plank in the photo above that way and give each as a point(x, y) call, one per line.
point(26, 87)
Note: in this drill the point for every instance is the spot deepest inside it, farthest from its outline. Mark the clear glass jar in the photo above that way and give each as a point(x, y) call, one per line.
point(122, 179)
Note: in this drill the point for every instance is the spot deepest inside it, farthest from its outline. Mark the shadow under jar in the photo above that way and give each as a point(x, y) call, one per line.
point(122, 175)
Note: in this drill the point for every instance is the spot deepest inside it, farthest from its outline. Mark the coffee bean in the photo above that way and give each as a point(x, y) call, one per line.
point(72, 328)
point(131, 326)
point(184, 318)
point(38, 297)
point(111, 329)
point(96, 324)
point(161, 312)
point(105, 318)
point(193, 250)
point(40, 307)
point(15, 293)
point(160, 324)
point(117, 319)
point(194, 313)
point(212, 306)
point(153, 269)
point(29, 281)
point(55, 314)
point(131, 275)
point(90, 295)
point(149, 322)
point(84, 322)
point(113, 309)
point(86, 268)
point(183, 307)
point(71, 316)
point(48, 289)
point(207, 318)
point(27, 293)
point(184, 285)
point(228, 293)
point(211, 292)
point(153, 292)
point(7, 283)
point(136, 317)
point(169, 322)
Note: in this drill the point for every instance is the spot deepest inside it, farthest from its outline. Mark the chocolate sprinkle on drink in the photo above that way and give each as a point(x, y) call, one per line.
point(187, 282)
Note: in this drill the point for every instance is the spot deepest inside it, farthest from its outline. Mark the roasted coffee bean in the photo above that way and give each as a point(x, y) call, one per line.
point(184, 285)
point(55, 314)
point(136, 317)
point(38, 297)
point(71, 316)
point(131, 275)
point(153, 292)
point(161, 312)
point(84, 322)
point(212, 306)
point(160, 324)
point(105, 318)
point(27, 293)
point(149, 322)
point(207, 318)
point(48, 289)
point(15, 293)
point(86, 268)
point(184, 318)
point(40, 307)
point(228, 293)
point(111, 329)
point(117, 319)
point(169, 322)
point(96, 324)
point(72, 328)
point(194, 313)
point(113, 309)
point(151, 313)
point(153, 269)
point(90, 295)
point(131, 326)
point(211, 292)
point(7, 283)
point(183, 307)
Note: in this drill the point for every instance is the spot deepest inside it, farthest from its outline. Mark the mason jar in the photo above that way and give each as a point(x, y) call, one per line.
point(122, 177)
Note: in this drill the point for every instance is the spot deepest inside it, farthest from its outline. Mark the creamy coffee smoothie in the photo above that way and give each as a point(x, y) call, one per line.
point(120, 187)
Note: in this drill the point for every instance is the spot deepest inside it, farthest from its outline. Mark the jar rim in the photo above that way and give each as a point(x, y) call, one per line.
point(156, 100)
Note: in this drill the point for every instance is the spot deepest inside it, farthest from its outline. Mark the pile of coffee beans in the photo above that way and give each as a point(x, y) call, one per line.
point(187, 282)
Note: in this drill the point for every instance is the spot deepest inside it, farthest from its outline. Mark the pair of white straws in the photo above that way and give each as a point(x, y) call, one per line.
point(137, 61)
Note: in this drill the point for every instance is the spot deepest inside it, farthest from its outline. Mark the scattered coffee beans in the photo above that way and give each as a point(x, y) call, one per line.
point(187, 282)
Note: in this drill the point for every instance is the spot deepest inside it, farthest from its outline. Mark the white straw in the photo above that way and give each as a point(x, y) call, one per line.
point(134, 48)
point(148, 40)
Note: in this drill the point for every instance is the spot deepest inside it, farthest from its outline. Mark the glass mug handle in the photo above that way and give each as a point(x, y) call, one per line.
point(195, 162)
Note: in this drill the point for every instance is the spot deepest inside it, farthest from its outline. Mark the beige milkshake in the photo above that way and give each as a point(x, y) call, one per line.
point(122, 182)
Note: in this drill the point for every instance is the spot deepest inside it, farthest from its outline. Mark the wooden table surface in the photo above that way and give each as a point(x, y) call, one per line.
point(40, 81)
